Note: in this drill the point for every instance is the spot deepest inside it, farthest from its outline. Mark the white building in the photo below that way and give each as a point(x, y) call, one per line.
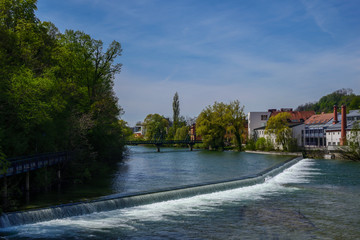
point(139, 129)
point(259, 119)
point(297, 132)
point(334, 132)
point(315, 128)
point(256, 120)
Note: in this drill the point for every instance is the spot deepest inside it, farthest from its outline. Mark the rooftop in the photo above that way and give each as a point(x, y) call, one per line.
point(296, 116)
point(337, 126)
point(320, 118)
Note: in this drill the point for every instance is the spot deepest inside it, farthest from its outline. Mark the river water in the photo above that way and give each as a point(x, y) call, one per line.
point(313, 199)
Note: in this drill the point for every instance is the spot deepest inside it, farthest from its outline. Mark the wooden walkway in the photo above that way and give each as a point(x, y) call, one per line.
point(29, 163)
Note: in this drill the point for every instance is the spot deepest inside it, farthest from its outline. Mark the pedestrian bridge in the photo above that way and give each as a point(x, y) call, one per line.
point(159, 143)
point(29, 163)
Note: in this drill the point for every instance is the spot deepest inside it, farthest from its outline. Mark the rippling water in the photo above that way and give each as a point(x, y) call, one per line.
point(314, 199)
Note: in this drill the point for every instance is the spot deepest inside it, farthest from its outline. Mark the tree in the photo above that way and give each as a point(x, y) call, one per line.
point(182, 133)
point(56, 90)
point(352, 150)
point(260, 144)
point(211, 125)
point(176, 110)
point(235, 118)
point(326, 103)
point(156, 127)
point(279, 126)
point(214, 121)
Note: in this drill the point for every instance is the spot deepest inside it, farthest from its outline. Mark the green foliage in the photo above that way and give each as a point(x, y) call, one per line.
point(264, 144)
point(182, 133)
point(291, 145)
point(269, 146)
point(279, 126)
point(260, 144)
point(214, 121)
point(156, 127)
point(235, 118)
point(338, 97)
point(56, 90)
point(250, 145)
point(4, 163)
point(211, 125)
point(176, 110)
point(352, 150)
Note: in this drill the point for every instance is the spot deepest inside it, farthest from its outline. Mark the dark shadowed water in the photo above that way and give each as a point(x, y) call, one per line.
point(313, 199)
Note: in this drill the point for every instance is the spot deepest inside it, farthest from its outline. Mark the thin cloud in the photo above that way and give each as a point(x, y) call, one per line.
point(323, 13)
point(265, 54)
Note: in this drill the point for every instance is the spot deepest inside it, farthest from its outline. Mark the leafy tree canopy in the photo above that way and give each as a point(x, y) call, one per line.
point(56, 89)
point(279, 126)
point(156, 127)
point(214, 121)
point(338, 97)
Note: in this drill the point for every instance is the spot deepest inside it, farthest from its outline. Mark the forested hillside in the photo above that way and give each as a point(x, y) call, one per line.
point(326, 103)
point(56, 89)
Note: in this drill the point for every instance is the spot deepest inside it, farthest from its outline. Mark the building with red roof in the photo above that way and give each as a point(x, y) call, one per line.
point(315, 128)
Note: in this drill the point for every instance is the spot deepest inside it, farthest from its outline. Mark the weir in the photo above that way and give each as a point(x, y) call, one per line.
point(119, 201)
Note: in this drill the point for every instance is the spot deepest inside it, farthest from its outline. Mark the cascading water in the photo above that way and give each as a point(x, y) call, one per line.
point(119, 201)
point(312, 199)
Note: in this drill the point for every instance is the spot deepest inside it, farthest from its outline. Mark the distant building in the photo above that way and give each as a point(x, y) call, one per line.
point(295, 116)
point(338, 133)
point(139, 129)
point(257, 120)
point(297, 131)
point(315, 127)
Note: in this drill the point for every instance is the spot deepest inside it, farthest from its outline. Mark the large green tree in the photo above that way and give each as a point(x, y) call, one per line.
point(278, 125)
point(56, 90)
point(236, 122)
point(156, 127)
point(214, 121)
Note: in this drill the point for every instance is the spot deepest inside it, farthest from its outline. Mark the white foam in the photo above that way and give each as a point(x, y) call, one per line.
point(299, 173)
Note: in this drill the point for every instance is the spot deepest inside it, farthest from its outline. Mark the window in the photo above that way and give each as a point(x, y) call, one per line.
point(329, 143)
point(264, 117)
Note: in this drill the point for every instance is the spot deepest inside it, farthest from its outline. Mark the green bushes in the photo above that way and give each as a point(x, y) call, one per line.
point(264, 144)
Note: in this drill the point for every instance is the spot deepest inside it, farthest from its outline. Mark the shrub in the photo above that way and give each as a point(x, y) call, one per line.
point(260, 144)
point(250, 145)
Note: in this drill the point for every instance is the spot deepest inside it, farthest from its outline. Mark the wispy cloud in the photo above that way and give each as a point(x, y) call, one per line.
point(323, 13)
point(266, 54)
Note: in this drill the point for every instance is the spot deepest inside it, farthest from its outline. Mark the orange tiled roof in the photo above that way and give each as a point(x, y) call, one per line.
point(320, 118)
point(296, 116)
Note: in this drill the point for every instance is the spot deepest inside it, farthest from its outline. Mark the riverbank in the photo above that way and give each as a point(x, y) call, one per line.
point(276, 153)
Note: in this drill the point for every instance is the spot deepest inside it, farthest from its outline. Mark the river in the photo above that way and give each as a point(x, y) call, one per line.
point(312, 199)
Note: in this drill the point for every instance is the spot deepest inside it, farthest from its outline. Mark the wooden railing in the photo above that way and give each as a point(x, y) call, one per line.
point(29, 163)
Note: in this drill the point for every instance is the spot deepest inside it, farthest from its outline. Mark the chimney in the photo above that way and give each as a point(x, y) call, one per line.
point(335, 121)
point(343, 125)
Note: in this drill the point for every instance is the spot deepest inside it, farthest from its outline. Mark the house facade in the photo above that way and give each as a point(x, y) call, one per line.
point(139, 129)
point(315, 129)
point(338, 133)
point(256, 120)
point(297, 132)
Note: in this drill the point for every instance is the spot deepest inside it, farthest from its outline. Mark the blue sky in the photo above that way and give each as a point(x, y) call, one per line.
point(266, 54)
